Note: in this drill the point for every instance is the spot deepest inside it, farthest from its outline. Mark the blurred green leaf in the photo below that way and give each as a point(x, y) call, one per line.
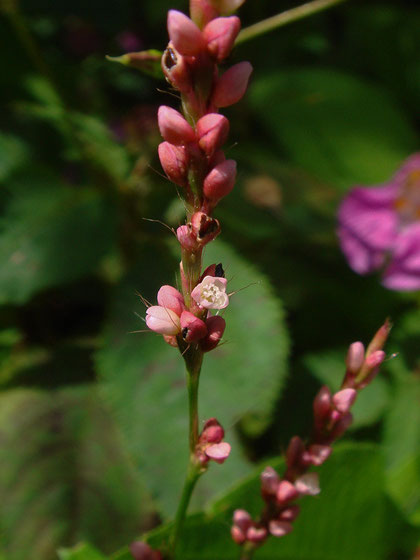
point(144, 379)
point(337, 126)
point(51, 234)
point(12, 154)
point(81, 551)
point(64, 476)
point(329, 368)
point(352, 483)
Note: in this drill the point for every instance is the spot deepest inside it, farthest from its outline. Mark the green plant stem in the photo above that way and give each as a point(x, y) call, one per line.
point(193, 360)
point(289, 16)
point(247, 552)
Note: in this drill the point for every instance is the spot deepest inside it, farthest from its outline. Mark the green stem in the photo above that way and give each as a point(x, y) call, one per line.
point(289, 16)
point(193, 360)
point(247, 552)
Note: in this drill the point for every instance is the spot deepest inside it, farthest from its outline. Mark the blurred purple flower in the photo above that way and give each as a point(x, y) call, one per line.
point(129, 41)
point(379, 227)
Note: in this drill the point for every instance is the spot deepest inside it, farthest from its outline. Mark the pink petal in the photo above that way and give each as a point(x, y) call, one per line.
point(162, 320)
point(308, 484)
point(219, 452)
point(403, 273)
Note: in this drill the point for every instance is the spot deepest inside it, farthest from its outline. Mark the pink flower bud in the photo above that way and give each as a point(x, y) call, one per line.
point(204, 228)
point(294, 452)
point(256, 534)
point(212, 432)
point(142, 551)
point(220, 181)
point(176, 69)
point(279, 528)
point(269, 482)
point(380, 338)
point(218, 452)
point(286, 492)
point(242, 519)
point(212, 132)
point(322, 405)
point(318, 454)
point(220, 35)
point(375, 359)
point(232, 85)
point(341, 426)
point(162, 320)
point(192, 328)
point(184, 34)
point(211, 293)
point(215, 328)
point(174, 160)
point(186, 238)
point(170, 298)
point(290, 513)
point(173, 127)
point(308, 484)
point(344, 399)
point(355, 358)
point(237, 534)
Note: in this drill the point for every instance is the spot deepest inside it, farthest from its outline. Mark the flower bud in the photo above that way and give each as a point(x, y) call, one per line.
point(218, 452)
point(242, 519)
point(279, 528)
point(204, 228)
point(173, 127)
point(375, 359)
point(344, 399)
point(215, 328)
point(238, 536)
point(269, 482)
point(317, 454)
point(162, 320)
point(218, 157)
point(142, 551)
point(170, 298)
point(308, 484)
point(186, 238)
point(341, 426)
point(212, 132)
point(184, 34)
point(231, 86)
point(174, 160)
point(220, 35)
point(380, 338)
point(294, 452)
point(212, 432)
point(322, 405)
point(286, 492)
point(355, 358)
point(220, 181)
point(171, 340)
point(176, 69)
point(203, 11)
point(192, 328)
point(290, 513)
point(256, 534)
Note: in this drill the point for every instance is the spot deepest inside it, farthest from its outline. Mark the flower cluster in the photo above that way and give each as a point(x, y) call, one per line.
point(332, 417)
point(379, 227)
point(211, 445)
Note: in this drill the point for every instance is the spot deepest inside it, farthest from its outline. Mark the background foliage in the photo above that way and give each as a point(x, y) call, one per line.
point(93, 424)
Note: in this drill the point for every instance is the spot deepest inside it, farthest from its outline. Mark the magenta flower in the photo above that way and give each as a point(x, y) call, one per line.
point(379, 228)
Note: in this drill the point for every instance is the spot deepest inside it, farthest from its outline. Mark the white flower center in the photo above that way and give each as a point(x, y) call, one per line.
point(213, 294)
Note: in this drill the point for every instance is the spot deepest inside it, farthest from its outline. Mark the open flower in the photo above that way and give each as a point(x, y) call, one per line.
point(379, 227)
point(211, 293)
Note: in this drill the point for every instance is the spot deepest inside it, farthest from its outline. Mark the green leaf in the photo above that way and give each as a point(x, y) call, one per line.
point(50, 234)
point(329, 368)
point(348, 520)
point(82, 551)
point(65, 475)
point(12, 155)
point(336, 126)
point(143, 378)
point(148, 62)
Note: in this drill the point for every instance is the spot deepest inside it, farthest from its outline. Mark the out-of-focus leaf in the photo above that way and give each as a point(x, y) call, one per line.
point(329, 368)
point(342, 129)
point(81, 551)
point(51, 234)
point(64, 476)
point(144, 380)
point(12, 154)
point(332, 525)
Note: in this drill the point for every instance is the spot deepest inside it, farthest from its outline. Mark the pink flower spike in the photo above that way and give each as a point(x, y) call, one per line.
point(269, 482)
point(142, 551)
point(344, 399)
point(184, 34)
point(215, 328)
point(193, 328)
point(256, 534)
point(162, 320)
point(212, 132)
point(220, 181)
point(211, 293)
point(219, 452)
point(174, 160)
point(355, 358)
point(170, 298)
point(286, 492)
point(279, 528)
point(308, 484)
point(232, 85)
point(220, 35)
point(173, 127)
